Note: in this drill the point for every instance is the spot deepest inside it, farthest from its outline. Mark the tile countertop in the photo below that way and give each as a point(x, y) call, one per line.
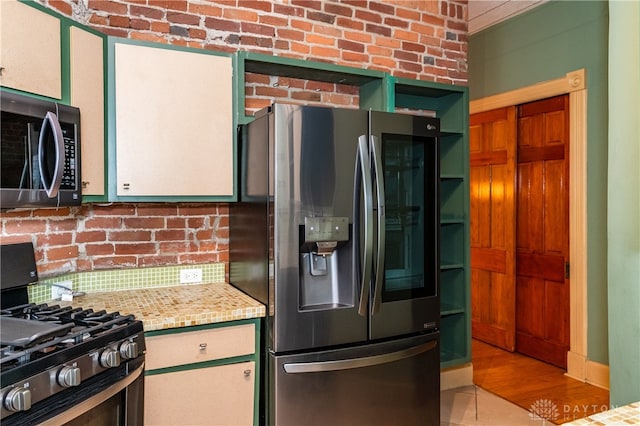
point(625, 415)
point(172, 307)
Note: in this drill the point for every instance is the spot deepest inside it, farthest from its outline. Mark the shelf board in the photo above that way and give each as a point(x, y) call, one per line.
point(447, 309)
point(459, 176)
point(447, 266)
point(308, 70)
point(451, 220)
point(424, 88)
point(449, 359)
point(451, 132)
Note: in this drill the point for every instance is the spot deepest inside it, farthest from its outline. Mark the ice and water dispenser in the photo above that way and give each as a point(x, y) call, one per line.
point(325, 263)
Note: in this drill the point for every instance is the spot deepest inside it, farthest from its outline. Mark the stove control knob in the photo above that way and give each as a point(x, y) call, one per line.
point(110, 358)
point(69, 376)
point(129, 350)
point(18, 399)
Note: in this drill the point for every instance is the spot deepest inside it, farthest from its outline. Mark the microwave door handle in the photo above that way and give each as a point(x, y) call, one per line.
point(364, 165)
point(379, 179)
point(51, 187)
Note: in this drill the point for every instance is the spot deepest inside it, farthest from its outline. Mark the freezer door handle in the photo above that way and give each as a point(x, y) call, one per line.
point(379, 277)
point(363, 160)
point(347, 364)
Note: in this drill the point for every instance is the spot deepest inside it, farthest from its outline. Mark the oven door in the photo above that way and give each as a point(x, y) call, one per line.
point(114, 398)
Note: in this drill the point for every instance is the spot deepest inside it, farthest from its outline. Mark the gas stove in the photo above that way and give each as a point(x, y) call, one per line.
point(46, 351)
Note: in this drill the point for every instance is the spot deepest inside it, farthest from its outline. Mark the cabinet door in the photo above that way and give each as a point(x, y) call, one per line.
point(30, 50)
point(173, 121)
point(87, 93)
point(220, 395)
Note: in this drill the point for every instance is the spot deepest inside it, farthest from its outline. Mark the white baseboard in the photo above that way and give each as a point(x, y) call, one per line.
point(456, 377)
point(585, 370)
point(597, 374)
point(576, 366)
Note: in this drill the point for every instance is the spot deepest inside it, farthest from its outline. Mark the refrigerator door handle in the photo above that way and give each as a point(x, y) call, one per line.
point(363, 158)
point(379, 173)
point(347, 364)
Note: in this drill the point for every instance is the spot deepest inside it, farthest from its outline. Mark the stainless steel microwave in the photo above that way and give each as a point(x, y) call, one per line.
point(40, 153)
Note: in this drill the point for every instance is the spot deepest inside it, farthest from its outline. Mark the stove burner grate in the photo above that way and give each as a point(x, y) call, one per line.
point(86, 326)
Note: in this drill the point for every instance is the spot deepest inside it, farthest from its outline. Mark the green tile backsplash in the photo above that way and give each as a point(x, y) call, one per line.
point(124, 279)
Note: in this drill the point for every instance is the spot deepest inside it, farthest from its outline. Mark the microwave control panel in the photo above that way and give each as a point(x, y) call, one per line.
point(69, 174)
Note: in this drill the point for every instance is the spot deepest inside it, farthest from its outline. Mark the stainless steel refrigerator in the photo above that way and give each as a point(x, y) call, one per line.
point(336, 231)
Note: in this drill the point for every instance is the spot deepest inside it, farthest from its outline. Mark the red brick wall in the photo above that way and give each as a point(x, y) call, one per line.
point(420, 39)
point(121, 235)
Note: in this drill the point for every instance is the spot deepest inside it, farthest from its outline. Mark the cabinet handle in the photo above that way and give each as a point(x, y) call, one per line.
point(247, 373)
point(203, 346)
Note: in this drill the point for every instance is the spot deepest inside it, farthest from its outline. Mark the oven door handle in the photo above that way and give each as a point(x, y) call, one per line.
point(95, 400)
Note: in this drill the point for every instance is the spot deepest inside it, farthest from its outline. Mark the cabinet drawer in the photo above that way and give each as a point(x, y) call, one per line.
point(219, 396)
point(169, 350)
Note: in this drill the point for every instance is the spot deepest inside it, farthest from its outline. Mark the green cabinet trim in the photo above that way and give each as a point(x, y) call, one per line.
point(197, 365)
point(378, 95)
point(179, 330)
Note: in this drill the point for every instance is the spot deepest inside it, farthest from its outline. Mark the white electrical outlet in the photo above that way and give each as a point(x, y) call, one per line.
point(61, 288)
point(189, 276)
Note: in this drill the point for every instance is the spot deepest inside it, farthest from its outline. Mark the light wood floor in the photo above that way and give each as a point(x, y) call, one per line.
point(526, 381)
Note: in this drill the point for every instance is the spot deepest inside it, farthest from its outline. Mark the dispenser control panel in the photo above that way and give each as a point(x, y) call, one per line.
point(334, 228)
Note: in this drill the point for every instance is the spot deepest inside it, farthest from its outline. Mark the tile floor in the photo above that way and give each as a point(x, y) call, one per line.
point(472, 405)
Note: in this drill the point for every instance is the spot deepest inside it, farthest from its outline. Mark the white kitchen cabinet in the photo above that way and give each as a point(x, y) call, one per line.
point(30, 50)
point(173, 121)
point(86, 54)
point(220, 395)
point(205, 375)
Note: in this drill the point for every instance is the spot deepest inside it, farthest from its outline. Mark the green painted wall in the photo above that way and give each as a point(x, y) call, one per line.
point(544, 44)
point(624, 202)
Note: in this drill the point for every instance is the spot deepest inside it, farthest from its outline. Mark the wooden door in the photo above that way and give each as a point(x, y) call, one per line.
point(542, 230)
point(492, 178)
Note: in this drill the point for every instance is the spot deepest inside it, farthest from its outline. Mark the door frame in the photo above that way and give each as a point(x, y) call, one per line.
point(573, 84)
